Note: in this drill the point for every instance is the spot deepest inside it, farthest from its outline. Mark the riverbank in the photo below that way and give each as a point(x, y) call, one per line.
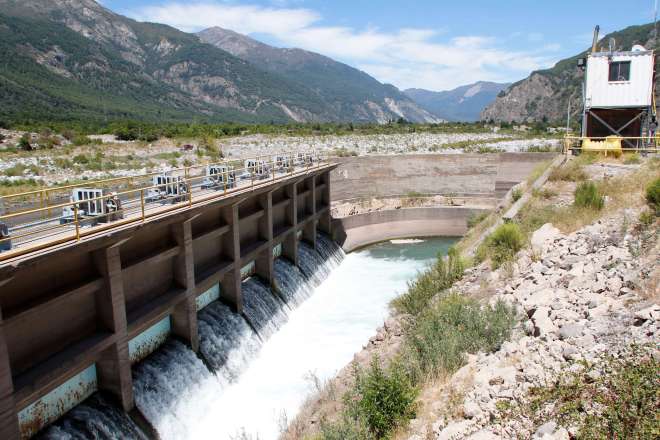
point(589, 289)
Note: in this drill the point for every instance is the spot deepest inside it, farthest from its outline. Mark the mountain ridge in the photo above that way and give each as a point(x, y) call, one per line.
point(544, 94)
point(77, 60)
point(462, 104)
point(344, 88)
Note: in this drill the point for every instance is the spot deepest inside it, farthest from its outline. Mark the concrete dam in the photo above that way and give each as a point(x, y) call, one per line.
point(97, 331)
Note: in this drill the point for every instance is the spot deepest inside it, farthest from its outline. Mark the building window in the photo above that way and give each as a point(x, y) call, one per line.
point(620, 71)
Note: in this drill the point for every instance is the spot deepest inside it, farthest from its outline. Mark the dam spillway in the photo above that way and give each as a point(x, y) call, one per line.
point(173, 384)
point(77, 316)
point(206, 283)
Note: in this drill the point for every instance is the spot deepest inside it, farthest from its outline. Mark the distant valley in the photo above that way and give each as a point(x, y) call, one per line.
point(463, 104)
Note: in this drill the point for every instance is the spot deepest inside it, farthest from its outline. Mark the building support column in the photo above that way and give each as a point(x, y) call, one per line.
point(290, 243)
point(230, 284)
point(264, 261)
point(114, 366)
point(184, 317)
point(8, 417)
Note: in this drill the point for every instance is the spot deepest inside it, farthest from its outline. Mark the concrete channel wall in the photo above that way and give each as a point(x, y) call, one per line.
point(372, 227)
point(74, 318)
point(458, 174)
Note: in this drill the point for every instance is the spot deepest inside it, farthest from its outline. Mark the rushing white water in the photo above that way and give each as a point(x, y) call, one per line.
point(319, 316)
point(320, 337)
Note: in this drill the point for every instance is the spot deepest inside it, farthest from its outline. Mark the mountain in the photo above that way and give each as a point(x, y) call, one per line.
point(349, 92)
point(544, 94)
point(74, 60)
point(463, 104)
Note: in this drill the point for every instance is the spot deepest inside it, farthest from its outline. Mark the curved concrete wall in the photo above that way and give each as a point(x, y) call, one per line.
point(364, 229)
point(459, 174)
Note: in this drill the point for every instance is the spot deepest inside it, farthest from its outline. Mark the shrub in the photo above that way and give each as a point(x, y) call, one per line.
point(24, 143)
point(620, 402)
point(81, 140)
point(381, 399)
point(454, 326)
point(475, 219)
point(81, 159)
point(502, 245)
point(653, 196)
point(646, 218)
point(516, 194)
point(16, 170)
point(571, 172)
point(434, 280)
point(587, 195)
point(632, 159)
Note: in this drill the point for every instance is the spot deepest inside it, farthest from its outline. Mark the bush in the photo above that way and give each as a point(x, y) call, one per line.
point(632, 159)
point(571, 172)
point(620, 402)
point(653, 196)
point(646, 218)
point(475, 219)
point(502, 245)
point(434, 280)
point(516, 194)
point(24, 143)
point(456, 325)
point(587, 195)
point(81, 159)
point(381, 399)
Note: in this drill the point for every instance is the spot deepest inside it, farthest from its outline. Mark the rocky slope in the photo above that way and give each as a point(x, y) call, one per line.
point(463, 103)
point(351, 93)
point(544, 94)
point(581, 297)
point(586, 295)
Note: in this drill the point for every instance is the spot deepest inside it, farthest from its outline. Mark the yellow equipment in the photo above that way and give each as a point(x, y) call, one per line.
point(611, 144)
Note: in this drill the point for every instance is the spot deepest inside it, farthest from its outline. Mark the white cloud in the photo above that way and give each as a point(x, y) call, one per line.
point(246, 19)
point(408, 57)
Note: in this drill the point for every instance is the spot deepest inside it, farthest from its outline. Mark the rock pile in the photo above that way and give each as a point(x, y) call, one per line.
point(582, 296)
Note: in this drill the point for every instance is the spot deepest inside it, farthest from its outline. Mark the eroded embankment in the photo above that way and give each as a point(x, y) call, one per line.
point(582, 295)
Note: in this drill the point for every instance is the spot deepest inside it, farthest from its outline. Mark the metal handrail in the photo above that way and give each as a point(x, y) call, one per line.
point(92, 184)
point(73, 230)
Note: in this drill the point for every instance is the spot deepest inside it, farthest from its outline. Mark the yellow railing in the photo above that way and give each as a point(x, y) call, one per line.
point(45, 226)
point(611, 144)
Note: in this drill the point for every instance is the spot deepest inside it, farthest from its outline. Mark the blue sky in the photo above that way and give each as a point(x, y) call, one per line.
point(436, 45)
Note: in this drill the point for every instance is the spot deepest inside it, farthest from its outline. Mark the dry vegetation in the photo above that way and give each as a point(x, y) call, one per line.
point(441, 328)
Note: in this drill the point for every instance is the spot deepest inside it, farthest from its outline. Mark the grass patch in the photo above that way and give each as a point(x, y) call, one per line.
point(516, 194)
point(502, 245)
point(570, 172)
point(587, 195)
point(476, 218)
point(616, 398)
point(344, 152)
point(627, 191)
point(429, 283)
point(456, 325)
point(435, 345)
point(632, 159)
point(653, 196)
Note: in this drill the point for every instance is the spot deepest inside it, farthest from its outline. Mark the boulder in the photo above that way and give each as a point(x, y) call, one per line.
point(544, 235)
point(648, 314)
point(571, 331)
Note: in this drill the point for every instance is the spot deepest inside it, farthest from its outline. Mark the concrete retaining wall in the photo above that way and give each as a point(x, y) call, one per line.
point(460, 174)
point(364, 229)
